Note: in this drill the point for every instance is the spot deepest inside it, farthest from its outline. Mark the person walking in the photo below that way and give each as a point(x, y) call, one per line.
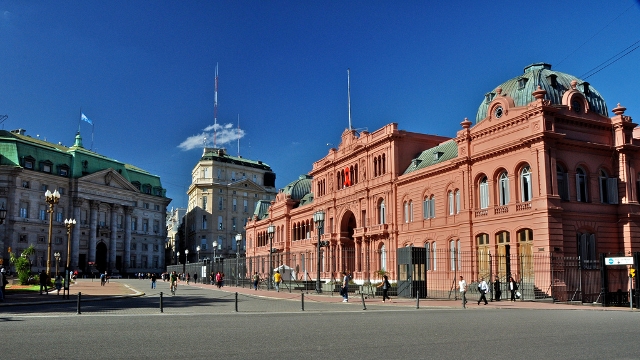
point(496, 289)
point(218, 279)
point(44, 281)
point(256, 280)
point(188, 278)
point(195, 278)
point(385, 288)
point(483, 288)
point(513, 287)
point(153, 280)
point(345, 287)
point(3, 283)
point(277, 278)
point(462, 285)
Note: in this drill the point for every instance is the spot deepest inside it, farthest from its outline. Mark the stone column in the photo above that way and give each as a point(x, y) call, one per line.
point(358, 255)
point(75, 234)
point(126, 252)
point(93, 225)
point(114, 234)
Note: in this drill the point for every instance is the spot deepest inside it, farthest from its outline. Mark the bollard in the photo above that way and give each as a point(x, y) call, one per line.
point(236, 302)
point(78, 307)
point(364, 306)
point(302, 294)
point(161, 308)
point(417, 300)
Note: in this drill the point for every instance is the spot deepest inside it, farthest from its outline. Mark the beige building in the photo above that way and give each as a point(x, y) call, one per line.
point(223, 194)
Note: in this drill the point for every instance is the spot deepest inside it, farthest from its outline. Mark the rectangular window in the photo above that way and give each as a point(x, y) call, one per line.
point(156, 207)
point(235, 205)
point(28, 164)
point(44, 187)
point(219, 222)
point(134, 224)
point(245, 204)
point(22, 239)
point(58, 241)
point(59, 216)
point(119, 221)
point(220, 202)
point(457, 201)
point(41, 239)
point(155, 262)
point(145, 247)
point(24, 210)
point(133, 246)
point(145, 224)
point(204, 203)
point(42, 212)
point(156, 226)
point(64, 172)
point(204, 222)
point(233, 176)
point(145, 205)
point(155, 247)
point(25, 184)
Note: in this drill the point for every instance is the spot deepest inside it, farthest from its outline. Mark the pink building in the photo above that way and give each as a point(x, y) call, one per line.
point(541, 185)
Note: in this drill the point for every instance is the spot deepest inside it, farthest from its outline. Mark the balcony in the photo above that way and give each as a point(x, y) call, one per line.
point(481, 213)
point(500, 209)
point(523, 206)
point(378, 230)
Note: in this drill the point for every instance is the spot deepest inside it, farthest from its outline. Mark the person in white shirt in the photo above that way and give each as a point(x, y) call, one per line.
point(483, 288)
point(462, 285)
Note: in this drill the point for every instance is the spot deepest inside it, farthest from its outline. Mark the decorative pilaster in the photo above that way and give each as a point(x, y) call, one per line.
point(126, 252)
point(75, 235)
point(114, 234)
point(93, 226)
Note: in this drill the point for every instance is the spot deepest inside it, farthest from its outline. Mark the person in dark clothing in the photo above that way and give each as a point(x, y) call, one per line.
point(496, 289)
point(44, 281)
point(513, 287)
point(195, 278)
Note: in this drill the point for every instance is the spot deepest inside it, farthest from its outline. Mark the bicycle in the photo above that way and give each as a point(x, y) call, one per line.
point(174, 286)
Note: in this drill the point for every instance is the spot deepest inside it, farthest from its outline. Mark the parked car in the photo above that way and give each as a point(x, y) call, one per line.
point(116, 276)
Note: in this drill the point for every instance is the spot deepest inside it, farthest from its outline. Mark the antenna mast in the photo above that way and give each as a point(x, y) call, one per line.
point(215, 109)
point(349, 94)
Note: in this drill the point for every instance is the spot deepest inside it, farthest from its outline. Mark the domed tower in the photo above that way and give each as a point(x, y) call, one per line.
point(555, 83)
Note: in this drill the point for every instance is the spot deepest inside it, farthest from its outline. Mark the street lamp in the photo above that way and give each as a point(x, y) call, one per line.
point(57, 256)
point(198, 250)
point(270, 230)
point(178, 255)
point(186, 256)
point(51, 199)
point(238, 243)
point(69, 223)
point(215, 246)
point(318, 219)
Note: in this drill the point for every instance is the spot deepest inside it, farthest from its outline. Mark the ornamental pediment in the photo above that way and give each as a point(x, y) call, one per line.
point(108, 177)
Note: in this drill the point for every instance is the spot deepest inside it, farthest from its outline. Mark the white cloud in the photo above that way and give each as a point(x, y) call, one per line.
point(223, 134)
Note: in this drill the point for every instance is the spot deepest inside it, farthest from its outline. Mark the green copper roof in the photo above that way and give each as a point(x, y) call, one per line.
point(445, 151)
point(521, 88)
point(16, 147)
point(298, 188)
point(218, 154)
point(262, 209)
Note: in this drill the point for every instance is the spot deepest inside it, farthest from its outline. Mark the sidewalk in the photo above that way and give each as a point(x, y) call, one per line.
point(91, 290)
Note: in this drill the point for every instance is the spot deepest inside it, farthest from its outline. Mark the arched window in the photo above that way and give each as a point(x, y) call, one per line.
point(582, 193)
point(608, 189)
point(503, 189)
point(406, 212)
point(383, 257)
point(563, 183)
point(384, 170)
point(484, 193)
point(451, 199)
point(452, 254)
point(525, 184)
point(457, 201)
point(355, 173)
point(429, 207)
point(375, 167)
point(381, 213)
point(410, 210)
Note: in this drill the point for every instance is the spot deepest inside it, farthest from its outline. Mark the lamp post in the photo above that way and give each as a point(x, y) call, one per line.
point(186, 256)
point(318, 219)
point(270, 230)
point(56, 255)
point(215, 246)
point(51, 199)
point(69, 223)
point(198, 250)
point(238, 243)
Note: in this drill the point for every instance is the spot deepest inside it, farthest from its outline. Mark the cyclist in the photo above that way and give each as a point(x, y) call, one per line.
point(174, 282)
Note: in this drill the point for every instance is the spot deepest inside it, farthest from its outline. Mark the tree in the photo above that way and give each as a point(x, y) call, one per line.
point(22, 264)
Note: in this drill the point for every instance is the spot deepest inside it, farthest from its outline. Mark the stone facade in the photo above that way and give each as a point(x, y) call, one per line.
point(119, 209)
point(223, 193)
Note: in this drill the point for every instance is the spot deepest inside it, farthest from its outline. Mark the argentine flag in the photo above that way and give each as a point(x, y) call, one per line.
point(85, 118)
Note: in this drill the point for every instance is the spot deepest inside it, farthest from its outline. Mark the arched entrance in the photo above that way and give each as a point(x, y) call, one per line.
point(348, 255)
point(101, 257)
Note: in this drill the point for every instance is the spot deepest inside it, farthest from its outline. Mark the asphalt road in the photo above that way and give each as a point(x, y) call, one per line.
point(205, 325)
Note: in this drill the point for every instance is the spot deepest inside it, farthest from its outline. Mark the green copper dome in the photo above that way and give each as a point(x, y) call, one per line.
point(298, 188)
point(554, 82)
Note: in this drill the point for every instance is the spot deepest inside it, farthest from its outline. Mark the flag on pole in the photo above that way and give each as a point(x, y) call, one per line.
point(85, 118)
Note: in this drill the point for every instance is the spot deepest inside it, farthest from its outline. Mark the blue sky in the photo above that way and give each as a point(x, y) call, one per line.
point(144, 71)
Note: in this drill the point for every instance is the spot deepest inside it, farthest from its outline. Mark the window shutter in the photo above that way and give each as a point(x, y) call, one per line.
point(612, 190)
point(433, 207)
point(578, 187)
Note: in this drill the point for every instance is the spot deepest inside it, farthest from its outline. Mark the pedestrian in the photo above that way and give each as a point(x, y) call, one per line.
point(496, 289)
point(483, 288)
point(277, 278)
point(103, 279)
point(153, 280)
point(195, 278)
point(58, 283)
point(212, 278)
point(218, 279)
point(345, 287)
point(188, 278)
point(44, 281)
point(513, 287)
point(462, 285)
point(256, 280)
point(221, 279)
point(385, 287)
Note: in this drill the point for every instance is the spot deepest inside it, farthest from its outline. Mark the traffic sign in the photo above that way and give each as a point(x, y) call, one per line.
point(623, 260)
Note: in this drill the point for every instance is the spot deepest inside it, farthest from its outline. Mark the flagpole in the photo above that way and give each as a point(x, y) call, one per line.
point(92, 127)
point(79, 119)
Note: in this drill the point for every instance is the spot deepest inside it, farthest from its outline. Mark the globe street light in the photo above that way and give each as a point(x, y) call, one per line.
point(270, 230)
point(215, 246)
point(57, 256)
point(198, 250)
point(238, 243)
point(186, 256)
point(318, 219)
point(51, 199)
